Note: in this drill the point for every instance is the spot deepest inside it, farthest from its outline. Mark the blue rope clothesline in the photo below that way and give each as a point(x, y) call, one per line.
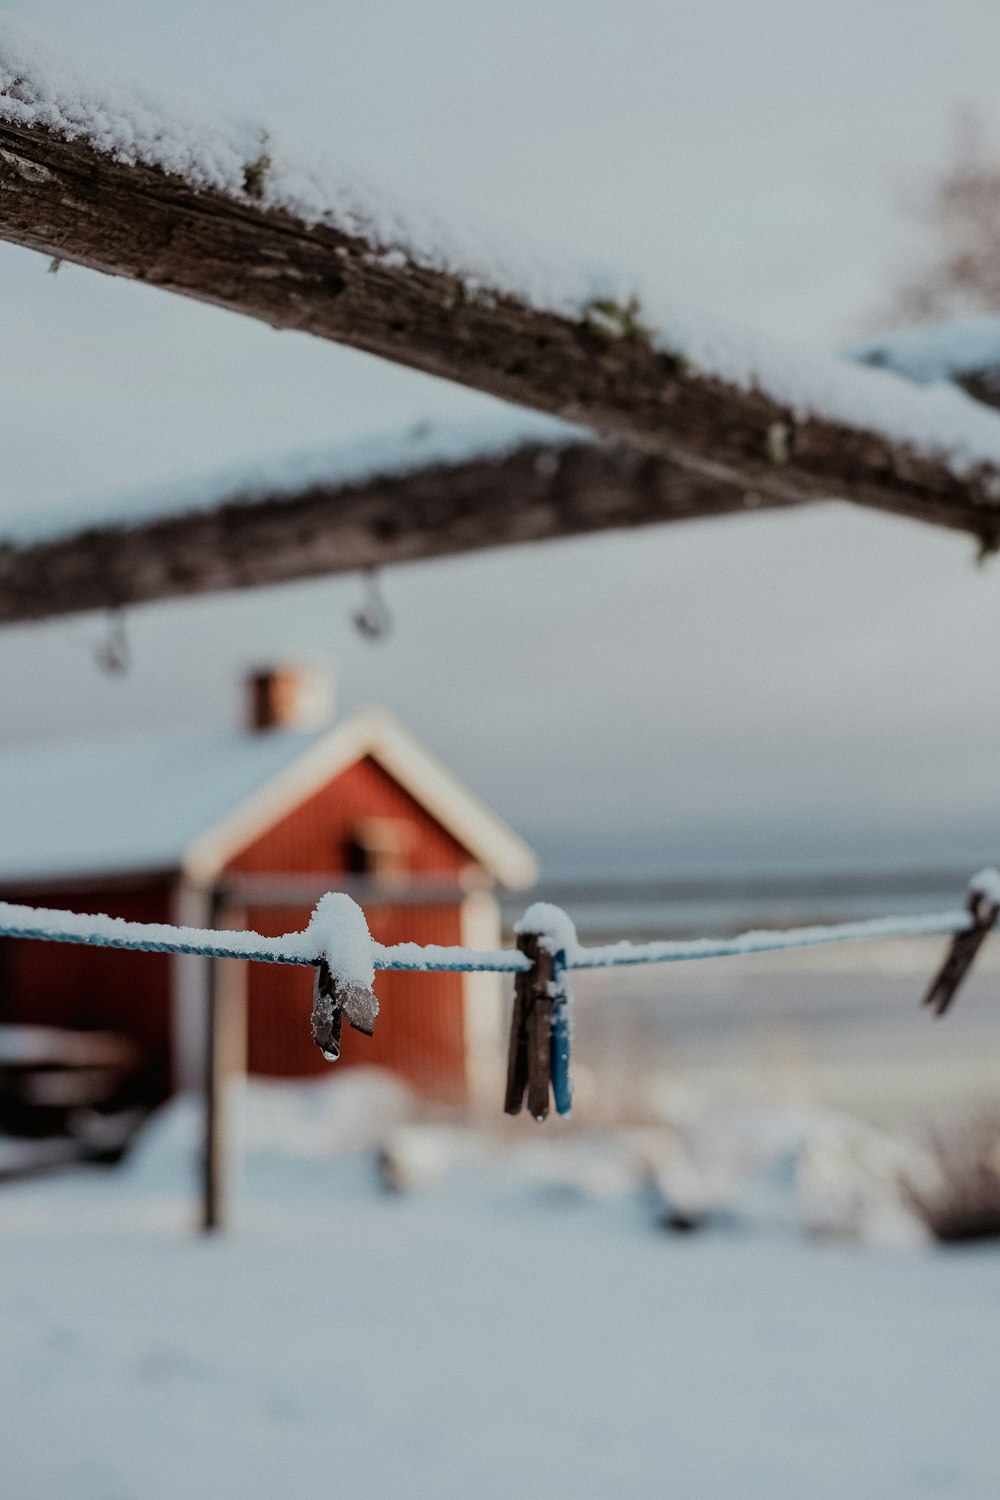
point(147, 937)
point(337, 945)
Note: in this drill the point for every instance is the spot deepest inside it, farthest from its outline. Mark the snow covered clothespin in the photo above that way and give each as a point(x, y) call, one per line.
point(337, 1000)
point(538, 1059)
point(983, 905)
point(342, 988)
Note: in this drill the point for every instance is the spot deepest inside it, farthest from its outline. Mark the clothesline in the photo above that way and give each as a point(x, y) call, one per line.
point(319, 940)
point(338, 946)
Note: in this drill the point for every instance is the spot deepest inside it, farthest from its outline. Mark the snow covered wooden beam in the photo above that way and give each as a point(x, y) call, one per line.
point(120, 177)
point(428, 496)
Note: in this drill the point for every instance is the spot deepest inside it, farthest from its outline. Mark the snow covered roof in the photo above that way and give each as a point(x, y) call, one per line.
point(190, 800)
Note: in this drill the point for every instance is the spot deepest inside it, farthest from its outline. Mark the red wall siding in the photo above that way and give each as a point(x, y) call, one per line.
point(420, 1033)
point(62, 984)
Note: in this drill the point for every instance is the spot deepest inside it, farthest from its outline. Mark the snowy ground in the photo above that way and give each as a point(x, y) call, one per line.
point(520, 1327)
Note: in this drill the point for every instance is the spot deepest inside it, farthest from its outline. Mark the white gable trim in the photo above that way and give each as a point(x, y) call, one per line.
point(368, 732)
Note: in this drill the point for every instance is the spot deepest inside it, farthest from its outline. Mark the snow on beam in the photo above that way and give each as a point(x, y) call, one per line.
point(116, 175)
point(246, 536)
point(965, 352)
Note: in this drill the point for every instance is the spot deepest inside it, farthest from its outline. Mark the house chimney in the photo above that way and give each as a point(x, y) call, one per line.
point(296, 696)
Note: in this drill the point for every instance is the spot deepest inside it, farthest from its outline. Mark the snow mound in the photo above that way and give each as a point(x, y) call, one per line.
point(810, 1171)
point(275, 1122)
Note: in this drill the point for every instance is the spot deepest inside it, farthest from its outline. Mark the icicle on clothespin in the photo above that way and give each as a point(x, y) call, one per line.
point(538, 1058)
point(983, 904)
point(344, 973)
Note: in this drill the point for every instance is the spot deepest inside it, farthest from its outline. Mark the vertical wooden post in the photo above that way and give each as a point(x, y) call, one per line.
point(213, 1145)
point(225, 1058)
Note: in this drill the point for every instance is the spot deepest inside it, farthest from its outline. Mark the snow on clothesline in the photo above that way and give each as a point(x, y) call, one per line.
point(337, 933)
point(333, 933)
point(50, 86)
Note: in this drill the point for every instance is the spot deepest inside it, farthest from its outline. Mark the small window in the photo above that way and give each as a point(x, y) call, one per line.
point(379, 847)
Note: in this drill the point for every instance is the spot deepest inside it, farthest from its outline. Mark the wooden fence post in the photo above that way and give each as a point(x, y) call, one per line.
point(225, 1058)
point(212, 1162)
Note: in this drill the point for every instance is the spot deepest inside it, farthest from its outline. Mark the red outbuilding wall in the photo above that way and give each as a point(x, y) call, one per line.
point(421, 1034)
point(98, 989)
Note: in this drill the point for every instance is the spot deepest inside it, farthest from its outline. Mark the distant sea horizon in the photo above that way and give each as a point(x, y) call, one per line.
point(824, 846)
point(722, 879)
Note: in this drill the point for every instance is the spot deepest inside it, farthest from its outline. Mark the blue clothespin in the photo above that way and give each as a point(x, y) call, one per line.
point(562, 1084)
point(538, 1056)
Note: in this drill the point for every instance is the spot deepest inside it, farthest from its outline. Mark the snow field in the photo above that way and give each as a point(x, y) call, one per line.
point(519, 1321)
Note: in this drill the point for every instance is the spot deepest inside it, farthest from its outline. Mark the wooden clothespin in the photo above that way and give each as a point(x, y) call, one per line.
point(983, 905)
point(334, 1001)
point(529, 1064)
point(538, 1059)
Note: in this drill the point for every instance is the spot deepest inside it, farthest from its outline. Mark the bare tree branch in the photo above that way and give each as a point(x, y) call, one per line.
point(960, 213)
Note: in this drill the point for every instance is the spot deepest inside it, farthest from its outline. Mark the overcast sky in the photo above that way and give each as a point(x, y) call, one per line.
point(821, 683)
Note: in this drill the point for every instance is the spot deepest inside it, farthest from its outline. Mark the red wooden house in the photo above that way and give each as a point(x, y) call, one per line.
point(243, 828)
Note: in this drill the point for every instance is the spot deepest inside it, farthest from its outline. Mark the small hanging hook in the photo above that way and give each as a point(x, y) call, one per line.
point(114, 654)
point(373, 621)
